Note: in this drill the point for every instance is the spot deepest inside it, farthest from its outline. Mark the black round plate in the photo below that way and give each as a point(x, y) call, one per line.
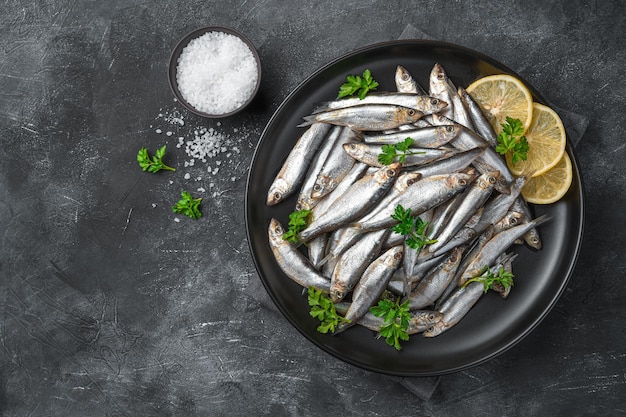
point(494, 324)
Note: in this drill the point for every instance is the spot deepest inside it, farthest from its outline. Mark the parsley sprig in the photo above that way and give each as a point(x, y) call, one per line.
point(298, 221)
point(511, 139)
point(188, 206)
point(400, 150)
point(396, 324)
point(358, 84)
point(491, 280)
point(323, 308)
point(413, 227)
point(154, 164)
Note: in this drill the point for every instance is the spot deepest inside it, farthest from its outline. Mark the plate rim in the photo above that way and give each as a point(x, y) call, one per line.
point(571, 265)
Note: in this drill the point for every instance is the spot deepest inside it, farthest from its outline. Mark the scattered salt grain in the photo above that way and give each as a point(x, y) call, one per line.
point(201, 190)
point(176, 219)
point(168, 133)
point(159, 131)
point(216, 73)
point(187, 176)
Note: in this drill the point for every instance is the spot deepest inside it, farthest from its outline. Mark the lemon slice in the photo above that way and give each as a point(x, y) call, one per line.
point(500, 96)
point(550, 186)
point(546, 143)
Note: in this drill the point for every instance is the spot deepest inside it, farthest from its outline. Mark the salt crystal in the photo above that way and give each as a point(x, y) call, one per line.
point(187, 176)
point(216, 73)
point(159, 131)
point(176, 219)
point(168, 133)
point(201, 190)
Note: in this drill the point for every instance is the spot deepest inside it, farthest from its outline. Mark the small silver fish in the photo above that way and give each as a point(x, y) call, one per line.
point(336, 166)
point(424, 137)
point(305, 200)
point(480, 122)
point(440, 86)
point(471, 200)
point(366, 117)
point(292, 262)
point(371, 285)
point(354, 202)
point(496, 246)
point(421, 320)
point(456, 307)
point(353, 263)
point(422, 103)
point(437, 280)
point(292, 172)
point(423, 195)
point(368, 154)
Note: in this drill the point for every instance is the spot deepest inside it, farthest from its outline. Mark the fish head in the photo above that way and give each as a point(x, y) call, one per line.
point(438, 79)
point(275, 230)
point(460, 180)
point(426, 317)
point(389, 172)
point(277, 192)
point(354, 149)
point(489, 179)
point(407, 115)
point(532, 239)
point(404, 80)
point(436, 105)
point(321, 187)
point(338, 291)
point(449, 131)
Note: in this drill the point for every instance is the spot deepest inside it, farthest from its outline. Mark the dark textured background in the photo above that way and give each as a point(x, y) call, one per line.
point(110, 307)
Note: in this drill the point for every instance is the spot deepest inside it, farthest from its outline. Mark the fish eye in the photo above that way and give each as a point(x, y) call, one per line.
point(449, 128)
point(317, 187)
point(278, 230)
point(398, 255)
point(277, 195)
point(440, 76)
point(535, 240)
point(431, 316)
point(391, 172)
point(405, 77)
point(411, 112)
point(353, 146)
point(513, 220)
point(492, 180)
point(462, 182)
point(299, 206)
point(434, 102)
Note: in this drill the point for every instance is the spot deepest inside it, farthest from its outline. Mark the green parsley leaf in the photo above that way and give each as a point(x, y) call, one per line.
point(396, 320)
point(156, 163)
point(490, 280)
point(510, 139)
point(400, 150)
point(188, 206)
point(358, 84)
point(298, 221)
point(413, 228)
point(323, 309)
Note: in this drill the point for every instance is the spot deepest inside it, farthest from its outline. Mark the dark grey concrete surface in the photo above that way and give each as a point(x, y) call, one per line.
point(109, 306)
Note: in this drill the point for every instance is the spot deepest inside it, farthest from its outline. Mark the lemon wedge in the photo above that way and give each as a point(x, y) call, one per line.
point(546, 143)
point(500, 96)
point(550, 186)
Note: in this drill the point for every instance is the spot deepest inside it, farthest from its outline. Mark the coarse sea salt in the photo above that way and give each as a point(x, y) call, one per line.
point(216, 73)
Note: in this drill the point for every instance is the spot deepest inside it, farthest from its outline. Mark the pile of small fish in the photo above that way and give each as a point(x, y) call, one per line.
point(454, 180)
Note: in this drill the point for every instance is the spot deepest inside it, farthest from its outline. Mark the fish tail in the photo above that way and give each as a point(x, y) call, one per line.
point(308, 121)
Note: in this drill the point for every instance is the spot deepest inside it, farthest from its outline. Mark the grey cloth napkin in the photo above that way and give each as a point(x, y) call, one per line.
point(424, 387)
